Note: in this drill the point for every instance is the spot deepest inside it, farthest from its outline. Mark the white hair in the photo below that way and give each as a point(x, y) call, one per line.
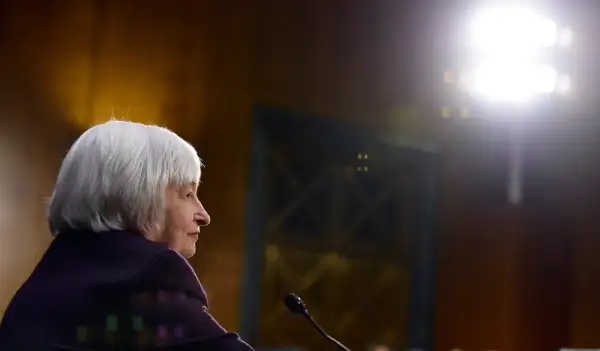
point(115, 176)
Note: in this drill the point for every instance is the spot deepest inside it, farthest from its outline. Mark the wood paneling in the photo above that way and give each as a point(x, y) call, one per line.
point(478, 281)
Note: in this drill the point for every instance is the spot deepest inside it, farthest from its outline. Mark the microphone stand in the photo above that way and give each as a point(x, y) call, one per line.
point(295, 305)
point(322, 332)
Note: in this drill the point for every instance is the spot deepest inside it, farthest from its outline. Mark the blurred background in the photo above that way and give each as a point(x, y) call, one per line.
point(422, 174)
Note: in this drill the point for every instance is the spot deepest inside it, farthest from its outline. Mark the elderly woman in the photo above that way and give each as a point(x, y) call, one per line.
point(125, 216)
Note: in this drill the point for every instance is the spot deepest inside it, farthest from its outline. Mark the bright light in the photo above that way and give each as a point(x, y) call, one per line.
point(512, 29)
point(510, 81)
point(509, 53)
point(563, 85)
point(565, 37)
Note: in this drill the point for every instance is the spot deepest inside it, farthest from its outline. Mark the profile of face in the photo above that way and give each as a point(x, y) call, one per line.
point(184, 217)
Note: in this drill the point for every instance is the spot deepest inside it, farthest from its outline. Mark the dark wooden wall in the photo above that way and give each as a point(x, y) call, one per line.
point(509, 278)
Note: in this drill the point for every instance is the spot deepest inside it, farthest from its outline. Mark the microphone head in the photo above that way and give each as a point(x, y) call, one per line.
point(295, 304)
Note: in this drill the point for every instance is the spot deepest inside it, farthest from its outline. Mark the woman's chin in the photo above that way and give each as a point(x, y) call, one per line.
point(189, 251)
point(189, 246)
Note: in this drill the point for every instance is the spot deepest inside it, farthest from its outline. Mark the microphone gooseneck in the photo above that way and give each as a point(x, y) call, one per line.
point(296, 306)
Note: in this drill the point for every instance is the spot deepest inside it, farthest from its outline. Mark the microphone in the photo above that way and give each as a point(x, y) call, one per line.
point(296, 306)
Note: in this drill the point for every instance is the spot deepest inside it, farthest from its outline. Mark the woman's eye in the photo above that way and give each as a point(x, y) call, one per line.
point(190, 195)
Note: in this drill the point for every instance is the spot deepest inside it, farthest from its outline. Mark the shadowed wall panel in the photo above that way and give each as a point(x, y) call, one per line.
point(546, 281)
point(321, 57)
point(586, 283)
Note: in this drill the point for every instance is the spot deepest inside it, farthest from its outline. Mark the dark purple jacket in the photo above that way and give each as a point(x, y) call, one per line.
point(112, 291)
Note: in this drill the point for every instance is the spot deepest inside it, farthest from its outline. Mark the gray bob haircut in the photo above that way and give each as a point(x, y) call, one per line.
point(115, 176)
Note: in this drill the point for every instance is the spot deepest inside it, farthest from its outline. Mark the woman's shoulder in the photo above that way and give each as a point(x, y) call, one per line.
point(119, 261)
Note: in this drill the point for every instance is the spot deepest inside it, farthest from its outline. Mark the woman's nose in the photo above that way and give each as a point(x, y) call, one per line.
point(202, 217)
